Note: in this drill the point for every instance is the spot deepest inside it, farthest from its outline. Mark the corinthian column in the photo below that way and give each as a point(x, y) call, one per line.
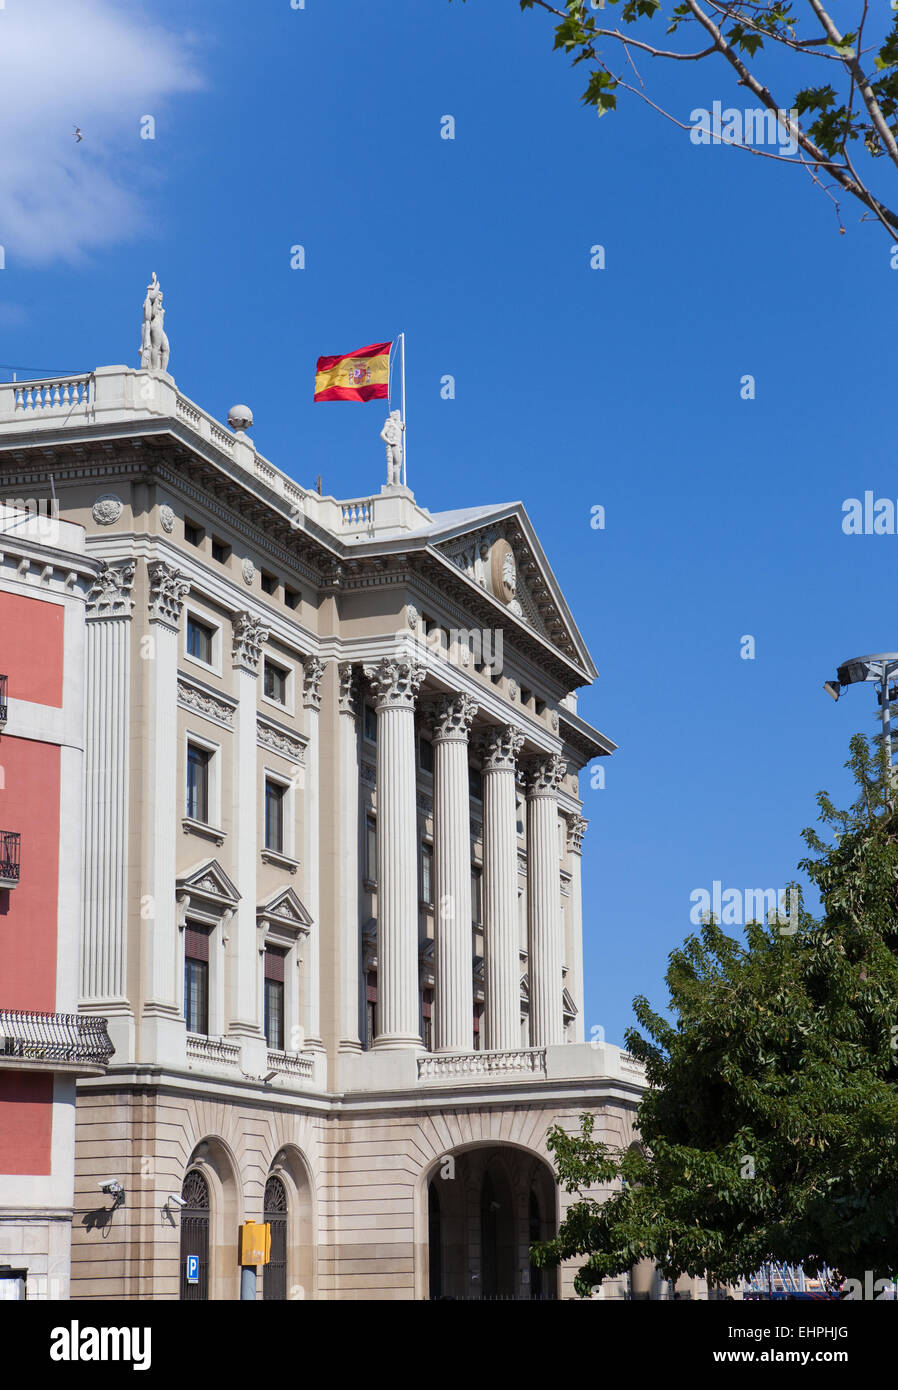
point(544, 900)
point(348, 851)
point(576, 829)
point(502, 970)
point(395, 685)
point(454, 995)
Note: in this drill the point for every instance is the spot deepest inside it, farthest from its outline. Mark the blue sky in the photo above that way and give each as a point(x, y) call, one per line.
point(574, 387)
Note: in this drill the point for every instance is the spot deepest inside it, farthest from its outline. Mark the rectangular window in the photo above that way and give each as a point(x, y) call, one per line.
point(370, 729)
point(199, 639)
point(478, 1015)
point(275, 959)
point(291, 597)
point(193, 534)
point(275, 682)
point(269, 583)
point(220, 551)
point(476, 886)
point(196, 978)
point(427, 1020)
point(198, 760)
point(275, 795)
point(425, 755)
point(475, 783)
point(370, 849)
point(427, 873)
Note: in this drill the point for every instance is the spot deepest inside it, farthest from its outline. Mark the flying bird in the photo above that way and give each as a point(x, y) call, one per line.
point(78, 135)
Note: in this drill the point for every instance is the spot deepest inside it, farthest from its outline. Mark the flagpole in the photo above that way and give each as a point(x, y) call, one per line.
point(402, 336)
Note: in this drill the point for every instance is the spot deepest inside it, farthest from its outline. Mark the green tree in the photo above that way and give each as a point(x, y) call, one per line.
point(770, 1132)
point(842, 117)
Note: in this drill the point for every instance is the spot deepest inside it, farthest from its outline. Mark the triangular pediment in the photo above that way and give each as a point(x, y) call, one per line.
point(285, 906)
point(503, 557)
point(208, 880)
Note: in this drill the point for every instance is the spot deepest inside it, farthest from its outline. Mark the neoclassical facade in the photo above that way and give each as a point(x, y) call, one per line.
point(332, 835)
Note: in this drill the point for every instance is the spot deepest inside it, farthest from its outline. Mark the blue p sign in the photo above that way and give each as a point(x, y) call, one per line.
point(193, 1269)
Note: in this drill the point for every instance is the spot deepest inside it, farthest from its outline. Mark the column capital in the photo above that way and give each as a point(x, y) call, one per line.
point(312, 671)
point(450, 717)
point(499, 747)
point(348, 691)
point(168, 591)
point(395, 683)
point(543, 774)
point(250, 635)
point(110, 594)
point(576, 829)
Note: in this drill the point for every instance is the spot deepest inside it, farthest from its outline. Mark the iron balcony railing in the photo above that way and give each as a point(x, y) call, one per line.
point(54, 1037)
point(2, 701)
point(9, 856)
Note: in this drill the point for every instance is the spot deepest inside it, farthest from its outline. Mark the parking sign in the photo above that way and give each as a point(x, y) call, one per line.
point(193, 1269)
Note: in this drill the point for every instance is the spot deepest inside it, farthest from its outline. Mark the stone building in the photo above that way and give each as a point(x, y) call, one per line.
point(332, 833)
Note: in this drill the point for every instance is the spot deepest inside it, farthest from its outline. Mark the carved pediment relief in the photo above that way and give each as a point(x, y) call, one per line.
point(208, 880)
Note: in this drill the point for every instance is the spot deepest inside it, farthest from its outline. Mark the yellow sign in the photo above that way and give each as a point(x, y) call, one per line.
point(255, 1243)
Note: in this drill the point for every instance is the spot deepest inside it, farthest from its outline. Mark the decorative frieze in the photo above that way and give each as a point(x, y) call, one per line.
point(194, 697)
point(395, 683)
point(249, 637)
point(279, 741)
point(110, 594)
point(312, 672)
point(167, 592)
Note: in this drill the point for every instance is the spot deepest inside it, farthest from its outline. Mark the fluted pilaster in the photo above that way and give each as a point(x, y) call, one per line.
point(454, 992)
point(576, 829)
point(105, 816)
point(502, 972)
point(395, 685)
point(313, 669)
point(544, 947)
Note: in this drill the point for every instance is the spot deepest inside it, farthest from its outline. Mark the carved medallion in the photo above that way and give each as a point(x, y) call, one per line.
point(107, 509)
point(166, 518)
point(249, 570)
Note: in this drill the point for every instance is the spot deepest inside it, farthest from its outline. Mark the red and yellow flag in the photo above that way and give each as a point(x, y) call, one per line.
point(363, 375)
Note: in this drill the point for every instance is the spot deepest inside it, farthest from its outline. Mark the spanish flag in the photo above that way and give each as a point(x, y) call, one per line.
point(363, 375)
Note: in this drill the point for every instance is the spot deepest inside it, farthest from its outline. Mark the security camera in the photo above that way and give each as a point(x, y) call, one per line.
point(178, 1201)
point(112, 1186)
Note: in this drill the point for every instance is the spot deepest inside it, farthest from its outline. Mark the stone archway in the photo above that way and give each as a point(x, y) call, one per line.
point(486, 1204)
point(213, 1161)
point(290, 1167)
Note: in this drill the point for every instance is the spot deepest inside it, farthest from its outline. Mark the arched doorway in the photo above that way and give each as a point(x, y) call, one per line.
point(274, 1279)
point(195, 1237)
point(486, 1206)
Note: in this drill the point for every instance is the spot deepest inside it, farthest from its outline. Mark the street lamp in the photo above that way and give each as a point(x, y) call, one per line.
point(882, 667)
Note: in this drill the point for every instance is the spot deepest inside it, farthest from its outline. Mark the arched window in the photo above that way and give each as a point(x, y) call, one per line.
point(195, 1236)
point(274, 1279)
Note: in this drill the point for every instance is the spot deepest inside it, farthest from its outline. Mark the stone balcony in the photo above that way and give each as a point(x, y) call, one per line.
point(574, 1067)
point(75, 1043)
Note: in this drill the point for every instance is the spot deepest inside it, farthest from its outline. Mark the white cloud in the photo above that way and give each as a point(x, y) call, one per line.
point(85, 63)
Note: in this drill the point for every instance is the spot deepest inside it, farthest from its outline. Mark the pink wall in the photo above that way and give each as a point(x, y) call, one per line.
point(26, 1122)
point(31, 648)
point(29, 803)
